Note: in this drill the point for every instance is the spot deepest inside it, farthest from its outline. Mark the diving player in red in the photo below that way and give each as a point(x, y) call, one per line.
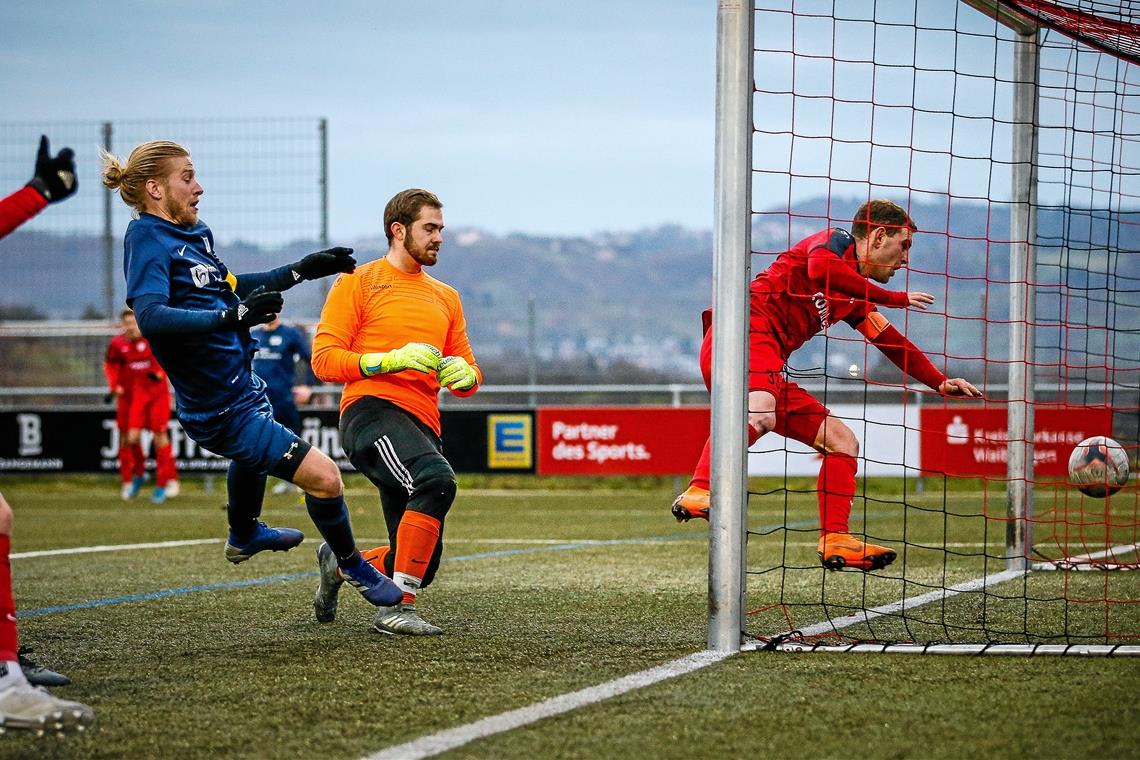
point(823, 279)
point(143, 403)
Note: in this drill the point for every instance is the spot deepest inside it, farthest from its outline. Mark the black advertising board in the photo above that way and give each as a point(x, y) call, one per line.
point(87, 440)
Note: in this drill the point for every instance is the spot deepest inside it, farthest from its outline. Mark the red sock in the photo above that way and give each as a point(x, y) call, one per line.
point(9, 638)
point(140, 459)
point(836, 486)
point(126, 461)
point(415, 543)
point(165, 469)
point(704, 464)
point(376, 558)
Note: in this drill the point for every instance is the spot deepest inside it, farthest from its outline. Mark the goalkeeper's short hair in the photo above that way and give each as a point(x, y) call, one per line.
point(405, 207)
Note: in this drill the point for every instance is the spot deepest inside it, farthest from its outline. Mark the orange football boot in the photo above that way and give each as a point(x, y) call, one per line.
point(693, 503)
point(840, 550)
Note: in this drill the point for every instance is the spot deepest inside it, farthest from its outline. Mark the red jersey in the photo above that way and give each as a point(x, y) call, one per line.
point(130, 364)
point(19, 207)
point(811, 287)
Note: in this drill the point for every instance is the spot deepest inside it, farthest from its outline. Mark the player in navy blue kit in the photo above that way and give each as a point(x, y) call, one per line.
point(196, 314)
point(283, 353)
point(280, 348)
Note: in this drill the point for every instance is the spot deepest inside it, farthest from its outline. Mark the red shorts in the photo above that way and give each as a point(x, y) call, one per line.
point(149, 410)
point(798, 414)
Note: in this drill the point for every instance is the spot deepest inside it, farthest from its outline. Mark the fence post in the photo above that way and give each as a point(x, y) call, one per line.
point(108, 237)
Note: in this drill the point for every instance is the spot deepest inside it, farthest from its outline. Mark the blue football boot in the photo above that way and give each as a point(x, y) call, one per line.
point(372, 584)
point(273, 539)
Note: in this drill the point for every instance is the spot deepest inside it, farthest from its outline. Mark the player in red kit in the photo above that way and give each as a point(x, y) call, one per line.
point(823, 279)
point(132, 459)
point(143, 403)
point(23, 705)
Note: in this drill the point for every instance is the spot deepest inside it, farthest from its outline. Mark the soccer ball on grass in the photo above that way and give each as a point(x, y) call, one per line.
point(1098, 466)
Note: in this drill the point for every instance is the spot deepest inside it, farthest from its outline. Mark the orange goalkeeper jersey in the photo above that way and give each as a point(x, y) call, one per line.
point(379, 308)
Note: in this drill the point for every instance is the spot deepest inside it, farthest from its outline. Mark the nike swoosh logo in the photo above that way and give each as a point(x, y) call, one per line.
point(182, 250)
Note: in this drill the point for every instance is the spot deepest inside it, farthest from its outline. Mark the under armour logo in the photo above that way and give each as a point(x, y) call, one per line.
point(289, 453)
point(296, 277)
point(242, 311)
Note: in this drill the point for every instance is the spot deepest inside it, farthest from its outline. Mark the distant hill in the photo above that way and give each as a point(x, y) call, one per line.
point(637, 295)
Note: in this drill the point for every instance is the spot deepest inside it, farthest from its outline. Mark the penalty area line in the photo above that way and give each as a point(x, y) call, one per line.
point(442, 741)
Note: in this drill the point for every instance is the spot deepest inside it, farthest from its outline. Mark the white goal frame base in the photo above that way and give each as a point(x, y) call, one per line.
point(1024, 650)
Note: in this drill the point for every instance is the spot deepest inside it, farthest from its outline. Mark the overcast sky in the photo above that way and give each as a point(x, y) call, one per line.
point(539, 116)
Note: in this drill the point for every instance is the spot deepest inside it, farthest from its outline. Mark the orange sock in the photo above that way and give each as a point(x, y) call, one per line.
point(376, 557)
point(416, 539)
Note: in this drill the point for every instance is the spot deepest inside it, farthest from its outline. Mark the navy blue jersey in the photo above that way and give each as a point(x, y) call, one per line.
point(278, 352)
point(208, 370)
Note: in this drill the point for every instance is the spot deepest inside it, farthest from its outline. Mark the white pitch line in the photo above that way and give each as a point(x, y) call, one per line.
point(114, 548)
point(914, 601)
point(442, 741)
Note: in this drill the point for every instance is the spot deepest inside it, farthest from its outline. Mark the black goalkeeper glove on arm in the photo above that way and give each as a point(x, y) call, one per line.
point(323, 263)
point(55, 177)
point(257, 308)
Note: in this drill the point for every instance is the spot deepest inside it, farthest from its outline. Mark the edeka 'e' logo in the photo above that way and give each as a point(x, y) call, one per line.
point(510, 442)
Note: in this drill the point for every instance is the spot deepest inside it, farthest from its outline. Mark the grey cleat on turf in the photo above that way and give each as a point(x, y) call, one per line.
point(24, 707)
point(324, 603)
point(38, 675)
point(403, 619)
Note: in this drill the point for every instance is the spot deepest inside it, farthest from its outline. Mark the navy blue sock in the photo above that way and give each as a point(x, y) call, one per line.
point(246, 490)
point(331, 518)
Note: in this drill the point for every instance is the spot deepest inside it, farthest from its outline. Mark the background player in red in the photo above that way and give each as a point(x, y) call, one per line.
point(22, 705)
point(132, 459)
point(821, 280)
point(143, 394)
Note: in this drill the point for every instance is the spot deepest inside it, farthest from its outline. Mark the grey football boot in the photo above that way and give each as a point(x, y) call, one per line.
point(37, 674)
point(403, 619)
point(324, 603)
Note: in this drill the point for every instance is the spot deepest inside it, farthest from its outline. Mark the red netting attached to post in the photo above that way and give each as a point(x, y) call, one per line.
point(914, 102)
point(1113, 27)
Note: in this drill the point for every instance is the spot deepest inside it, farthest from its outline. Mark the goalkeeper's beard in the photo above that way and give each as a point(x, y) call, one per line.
point(422, 255)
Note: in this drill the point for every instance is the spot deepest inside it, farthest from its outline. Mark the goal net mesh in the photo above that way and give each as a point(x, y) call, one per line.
point(914, 102)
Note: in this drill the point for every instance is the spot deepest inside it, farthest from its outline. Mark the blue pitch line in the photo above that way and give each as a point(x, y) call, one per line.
point(313, 574)
point(162, 594)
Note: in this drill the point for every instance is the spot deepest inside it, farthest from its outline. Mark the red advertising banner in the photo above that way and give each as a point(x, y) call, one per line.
point(974, 442)
point(620, 440)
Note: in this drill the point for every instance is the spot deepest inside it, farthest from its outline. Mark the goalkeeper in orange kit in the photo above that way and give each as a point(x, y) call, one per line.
point(395, 336)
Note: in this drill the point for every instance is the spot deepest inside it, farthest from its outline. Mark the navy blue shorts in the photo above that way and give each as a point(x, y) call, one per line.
point(244, 432)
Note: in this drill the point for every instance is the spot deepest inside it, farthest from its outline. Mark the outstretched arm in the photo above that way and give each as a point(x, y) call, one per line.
point(910, 359)
point(54, 180)
point(311, 267)
point(904, 354)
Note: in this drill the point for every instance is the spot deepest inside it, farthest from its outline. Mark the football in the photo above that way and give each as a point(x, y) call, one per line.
point(1098, 466)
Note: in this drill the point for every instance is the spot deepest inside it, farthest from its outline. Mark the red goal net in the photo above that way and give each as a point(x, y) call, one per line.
point(1009, 130)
